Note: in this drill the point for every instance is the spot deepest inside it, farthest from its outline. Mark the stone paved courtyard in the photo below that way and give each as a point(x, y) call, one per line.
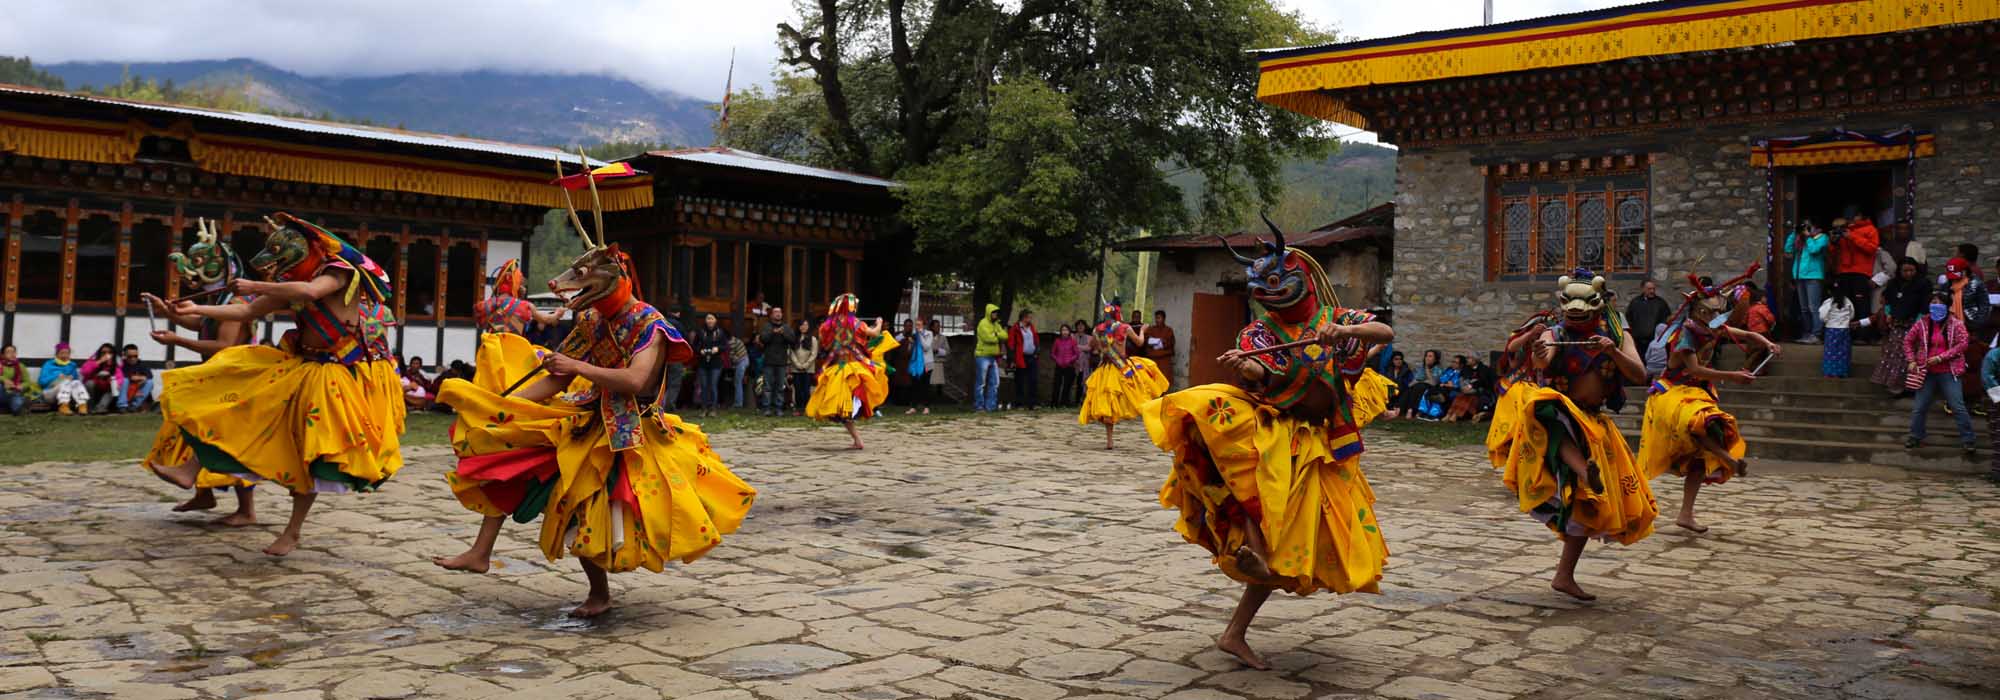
point(1000, 558)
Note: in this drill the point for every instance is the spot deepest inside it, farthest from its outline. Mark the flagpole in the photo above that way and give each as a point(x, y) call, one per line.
point(728, 86)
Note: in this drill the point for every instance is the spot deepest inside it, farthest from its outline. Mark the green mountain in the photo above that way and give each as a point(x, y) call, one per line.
point(523, 108)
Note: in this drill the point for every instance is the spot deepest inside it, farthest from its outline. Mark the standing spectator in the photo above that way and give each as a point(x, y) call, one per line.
point(1989, 376)
point(137, 390)
point(1023, 348)
point(102, 378)
point(988, 341)
point(1854, 261)
point(675, 370)
point(1158, 338)
point(62, 382)
point(710, 347)
point(804, 359)
point(1970, 305)
point(1935, 347)
point(1903, 301)
point(1086, 361)
point(1064, 351)
point(739, 361)
point(1423, 379)
point(1970, 253)
point(1808, 248)
point(1645, 312)
point(15, 389)
point(939, 348)
point(776, 341)
point(1836, 313)
point(919, 343)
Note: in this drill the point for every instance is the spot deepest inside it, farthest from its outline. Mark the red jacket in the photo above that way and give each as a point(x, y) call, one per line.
point(1015, 357)
point(1854, 253)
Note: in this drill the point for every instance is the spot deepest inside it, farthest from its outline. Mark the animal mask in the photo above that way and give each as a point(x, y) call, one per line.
point(1114, 311)
point(1581, 301)
point(1279, 279)
point(599, 278)
point(208, 262)
point(288, 255)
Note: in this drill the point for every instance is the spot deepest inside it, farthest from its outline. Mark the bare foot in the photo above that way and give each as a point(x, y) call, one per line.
point(1237, 647)
point(591, 607)
point(236, 519)
point(1249, 562)
point(1689, 525)
point(203, 500)
point(1742, 467)
point(282, 546)
point(1572, 590)
point(466, 561)
point(182, 476)
point(855, 446)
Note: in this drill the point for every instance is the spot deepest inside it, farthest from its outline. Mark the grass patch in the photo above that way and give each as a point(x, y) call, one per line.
point(1439, 434)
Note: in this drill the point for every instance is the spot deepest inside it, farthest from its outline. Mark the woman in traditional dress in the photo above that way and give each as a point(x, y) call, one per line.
point(1267, 472)
point(1686, 432)
point(320, 413)
point(1568, 466)
point(853, 378)
point(211, 264)
point(1121, 384)
point(619, 482)
point(1904, 300)
point(1519, 379)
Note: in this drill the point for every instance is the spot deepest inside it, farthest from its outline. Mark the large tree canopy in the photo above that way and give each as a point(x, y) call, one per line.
point(1031, 132)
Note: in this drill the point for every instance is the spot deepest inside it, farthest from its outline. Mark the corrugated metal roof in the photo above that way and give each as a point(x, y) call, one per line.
point(1376, 222)
point(412, 138)
point(734, 158)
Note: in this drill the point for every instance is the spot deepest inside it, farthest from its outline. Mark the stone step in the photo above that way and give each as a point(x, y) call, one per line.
point(1878, 434)
point(1937, 454)
point(1852, 386)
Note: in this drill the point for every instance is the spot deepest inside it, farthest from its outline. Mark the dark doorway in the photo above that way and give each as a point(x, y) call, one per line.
point(766, 274)
point(1825, 195)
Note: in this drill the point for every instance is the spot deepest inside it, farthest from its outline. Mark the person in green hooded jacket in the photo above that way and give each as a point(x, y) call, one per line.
point(991, 336)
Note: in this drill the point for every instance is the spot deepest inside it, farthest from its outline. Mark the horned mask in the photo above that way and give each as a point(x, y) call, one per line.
point(602, 276)
point(209, 262)
point(1281, 278)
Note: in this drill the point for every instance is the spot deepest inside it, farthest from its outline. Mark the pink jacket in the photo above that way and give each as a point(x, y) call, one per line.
point(90, 368)
point(1916, 345)
point(1064, 351)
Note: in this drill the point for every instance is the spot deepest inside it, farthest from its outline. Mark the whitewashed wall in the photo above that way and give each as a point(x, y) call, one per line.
point(36, 335)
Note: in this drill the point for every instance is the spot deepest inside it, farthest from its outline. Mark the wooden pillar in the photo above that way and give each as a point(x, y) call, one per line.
point(14, 215)
point(70, 218)
point(173, 271)
point(402, 283)
point(123, 287)
point(443, 243)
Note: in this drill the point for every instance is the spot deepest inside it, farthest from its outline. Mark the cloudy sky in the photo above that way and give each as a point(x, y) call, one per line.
point(682, 45)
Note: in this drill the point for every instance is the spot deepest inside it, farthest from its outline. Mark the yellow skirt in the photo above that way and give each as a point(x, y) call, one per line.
point(669, 499)
point(1370, 391)
point(848, 390)
point(169, 450)
point(1110, 396)
point(1667, 444)
point(1622, 510)
point(261, 413)
point(1239, 461)
point(1506, 417)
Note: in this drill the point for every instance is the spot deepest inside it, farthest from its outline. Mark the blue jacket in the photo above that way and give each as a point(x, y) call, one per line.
point(1989, 369)
point(51, 372)
point(1811, 263)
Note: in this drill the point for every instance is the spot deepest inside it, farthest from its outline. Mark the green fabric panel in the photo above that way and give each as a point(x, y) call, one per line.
point(213, 458)
point(535, 500)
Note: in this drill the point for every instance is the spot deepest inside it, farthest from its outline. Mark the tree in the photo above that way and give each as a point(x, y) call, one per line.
point(22, 71)
point(788, 122)
point(926, 90)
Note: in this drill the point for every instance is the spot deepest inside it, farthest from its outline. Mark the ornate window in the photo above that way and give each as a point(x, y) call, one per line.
point(1544, 225)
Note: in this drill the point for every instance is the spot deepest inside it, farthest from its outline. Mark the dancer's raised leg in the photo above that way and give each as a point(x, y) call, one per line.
point(479, 557)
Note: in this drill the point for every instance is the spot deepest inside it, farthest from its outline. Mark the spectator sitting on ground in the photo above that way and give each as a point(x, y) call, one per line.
point(62, 382)
point(1462, 402)
point(417, 389)
point(135, 393)
point(15, 389)
point(103, 378)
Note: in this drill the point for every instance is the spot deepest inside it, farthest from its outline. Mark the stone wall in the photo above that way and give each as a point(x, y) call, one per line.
point(1708, 203)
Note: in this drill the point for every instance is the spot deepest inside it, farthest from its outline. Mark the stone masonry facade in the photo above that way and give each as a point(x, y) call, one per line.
point(1708, 203)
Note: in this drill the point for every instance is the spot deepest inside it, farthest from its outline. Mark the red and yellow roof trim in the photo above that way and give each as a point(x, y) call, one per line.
point(1300, 79)
point(118, 143)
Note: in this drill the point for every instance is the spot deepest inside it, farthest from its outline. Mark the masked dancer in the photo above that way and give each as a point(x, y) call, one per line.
point(1568, 465)
point(1267, 471)
point(1518, 380)
point(853, 379)
point(507, 310)
point(1121, 384)
point(212, 265)
point(1686, 432)
point(586, 441)
point(320, 413)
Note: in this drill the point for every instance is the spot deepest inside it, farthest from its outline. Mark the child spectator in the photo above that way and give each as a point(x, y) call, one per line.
point(62, 382)
point(1836, 314)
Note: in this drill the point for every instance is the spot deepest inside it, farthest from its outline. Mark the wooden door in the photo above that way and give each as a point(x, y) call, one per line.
point(1216, 320)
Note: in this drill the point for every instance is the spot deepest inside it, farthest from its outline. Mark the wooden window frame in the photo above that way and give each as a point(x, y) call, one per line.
point(1572, 190)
